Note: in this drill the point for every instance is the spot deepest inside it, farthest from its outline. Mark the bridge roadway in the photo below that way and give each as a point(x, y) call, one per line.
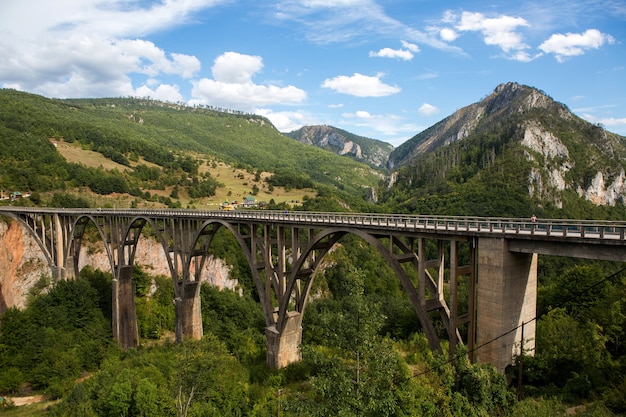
point(550, 230)
point(494, 258)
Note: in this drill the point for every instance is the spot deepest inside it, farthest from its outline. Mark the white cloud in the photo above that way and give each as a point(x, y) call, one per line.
point(88, 66)
point(393, 53)
point(33, 19)
point(232, 86)
point(410, 46)
point(567, 45)
point(390, 126)
point(427, 110)
point(610, 122)
point(362, 114)
point(405, 54)
point(235, 68)
point(498, 31)
point(448, 35)
point(163, 92)
point(360, 85)
point(287, 121)
point(330, 21)
point(81, 48)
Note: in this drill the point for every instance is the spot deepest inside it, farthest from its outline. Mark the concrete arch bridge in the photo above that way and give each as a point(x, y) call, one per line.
point(495, 258)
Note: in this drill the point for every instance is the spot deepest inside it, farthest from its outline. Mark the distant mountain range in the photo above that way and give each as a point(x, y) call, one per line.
point(515, 151)
point(370, 151)
point(561, 152)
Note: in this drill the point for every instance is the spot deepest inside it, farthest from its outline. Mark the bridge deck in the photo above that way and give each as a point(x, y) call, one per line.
point(581, 231)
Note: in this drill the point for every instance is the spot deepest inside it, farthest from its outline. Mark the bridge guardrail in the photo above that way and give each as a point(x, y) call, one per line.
point(561, 228)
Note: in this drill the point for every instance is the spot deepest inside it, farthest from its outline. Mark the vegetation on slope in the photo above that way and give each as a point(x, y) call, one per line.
point(363, 352)
point(160, 146)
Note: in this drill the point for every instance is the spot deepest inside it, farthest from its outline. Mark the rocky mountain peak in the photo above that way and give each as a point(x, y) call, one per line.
point(340, 142)
point(507, 100)
point(563, 151)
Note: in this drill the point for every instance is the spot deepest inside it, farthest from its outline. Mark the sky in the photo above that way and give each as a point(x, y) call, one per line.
point(383, 69)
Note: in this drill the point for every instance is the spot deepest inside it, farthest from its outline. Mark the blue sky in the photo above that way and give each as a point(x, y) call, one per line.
point(384, 69)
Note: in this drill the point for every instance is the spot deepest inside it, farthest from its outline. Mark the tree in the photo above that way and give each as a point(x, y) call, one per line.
point(561, 359)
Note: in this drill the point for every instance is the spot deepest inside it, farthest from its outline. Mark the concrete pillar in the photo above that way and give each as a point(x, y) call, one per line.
point(58, 247)
point(188, 312)
point(284, 348)
point(506, 297)
point(70, 271)
point(124, 314)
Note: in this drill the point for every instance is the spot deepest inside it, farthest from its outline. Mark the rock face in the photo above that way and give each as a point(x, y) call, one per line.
point(369, 151)
point(23, 264)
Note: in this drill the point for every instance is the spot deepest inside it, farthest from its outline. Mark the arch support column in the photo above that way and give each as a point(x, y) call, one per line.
point(283, 348)
point(188, 311)
point(506, 299)
point(125, 328)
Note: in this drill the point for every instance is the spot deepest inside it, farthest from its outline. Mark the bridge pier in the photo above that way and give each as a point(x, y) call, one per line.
point(284, 348)
point(506, 300)
point(188, 311)
point(125, 328)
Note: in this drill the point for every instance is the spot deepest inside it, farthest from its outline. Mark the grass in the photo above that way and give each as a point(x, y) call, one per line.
point(73, 152)
point(29, 409)
point(237, 183)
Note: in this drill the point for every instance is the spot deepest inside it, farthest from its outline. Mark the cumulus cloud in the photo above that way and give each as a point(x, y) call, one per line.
point(89, 47)
point(235, 68)
point(448, 35)
point(501, 31)
point(360, 85)
point(287, 121)
point(405, 54)
point(163, 92)
point(567, 45)
point(410, 46)
point(232, 85)
point(393, 53)
point(427, 110)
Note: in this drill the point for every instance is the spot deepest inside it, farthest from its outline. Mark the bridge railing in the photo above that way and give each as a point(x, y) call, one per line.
point(556, 228)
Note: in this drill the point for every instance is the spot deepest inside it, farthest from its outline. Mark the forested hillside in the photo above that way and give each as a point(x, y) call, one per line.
point(159, 145)
point(363, 349)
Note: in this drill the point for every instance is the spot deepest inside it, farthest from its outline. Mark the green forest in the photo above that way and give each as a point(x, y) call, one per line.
point(363, 350)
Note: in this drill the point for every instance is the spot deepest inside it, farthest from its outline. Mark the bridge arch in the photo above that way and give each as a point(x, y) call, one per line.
point(247, 247)
point(285, 336)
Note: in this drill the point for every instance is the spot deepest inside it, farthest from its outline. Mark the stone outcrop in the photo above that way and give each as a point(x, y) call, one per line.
point(601, 193)
point(23, 264)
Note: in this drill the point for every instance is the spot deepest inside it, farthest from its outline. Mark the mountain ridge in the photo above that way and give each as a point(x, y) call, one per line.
point(557, 154)
point(370, 151)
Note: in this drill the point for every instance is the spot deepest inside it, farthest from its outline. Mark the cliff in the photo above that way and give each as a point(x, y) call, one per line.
point(23, 264)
